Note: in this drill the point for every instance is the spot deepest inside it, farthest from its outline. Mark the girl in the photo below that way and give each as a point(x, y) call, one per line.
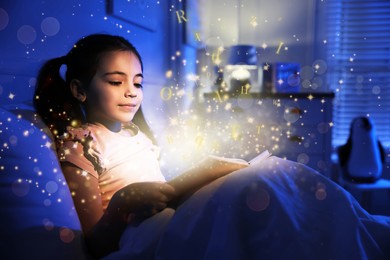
point(104, 143)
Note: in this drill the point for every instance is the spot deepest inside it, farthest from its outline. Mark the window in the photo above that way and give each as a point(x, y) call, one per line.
point(359, 64)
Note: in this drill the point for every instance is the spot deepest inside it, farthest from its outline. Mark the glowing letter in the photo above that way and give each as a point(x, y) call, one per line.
point(244, 89)
point(235, 132)
point(253, 21)
point(280, 46)
point(215, 57)
point(258, 128)
point(168, 96)
point(199, 140)
point(170, 139)
point(197, 36)
point(216, 145)
point(218, 96)
point(181, 16)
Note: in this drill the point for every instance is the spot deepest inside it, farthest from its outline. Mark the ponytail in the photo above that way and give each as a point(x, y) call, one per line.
point(53, 100)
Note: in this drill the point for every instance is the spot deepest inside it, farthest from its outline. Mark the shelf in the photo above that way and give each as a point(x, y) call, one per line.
point(274, 95)
point(295, 126)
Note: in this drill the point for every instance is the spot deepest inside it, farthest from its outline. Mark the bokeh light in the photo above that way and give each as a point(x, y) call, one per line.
point(50, 26)
point(26, 34)
point(66, 235)
point(20, 188)
point(4, 19)
point(257, 199)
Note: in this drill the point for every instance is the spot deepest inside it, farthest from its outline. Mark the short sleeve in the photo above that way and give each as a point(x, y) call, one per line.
point(78, 147)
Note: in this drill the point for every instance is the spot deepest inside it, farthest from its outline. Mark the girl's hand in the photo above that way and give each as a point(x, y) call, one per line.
point(141, 200)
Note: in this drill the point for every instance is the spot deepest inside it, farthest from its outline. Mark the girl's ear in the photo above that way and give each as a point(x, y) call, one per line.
point(77, 90)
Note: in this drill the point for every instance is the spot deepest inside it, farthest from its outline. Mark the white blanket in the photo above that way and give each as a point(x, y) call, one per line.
point(278, 209)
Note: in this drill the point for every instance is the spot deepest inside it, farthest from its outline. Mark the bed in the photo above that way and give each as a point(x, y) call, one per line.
point(278, 209)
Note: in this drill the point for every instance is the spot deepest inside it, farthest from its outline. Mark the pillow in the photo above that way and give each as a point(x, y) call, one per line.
point(38, 217)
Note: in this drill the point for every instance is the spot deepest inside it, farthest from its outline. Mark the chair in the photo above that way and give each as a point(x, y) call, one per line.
point(360, 162)
point(366, 190)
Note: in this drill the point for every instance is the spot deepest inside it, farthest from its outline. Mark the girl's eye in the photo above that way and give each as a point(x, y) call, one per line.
point(138, 85)
point(115, 83)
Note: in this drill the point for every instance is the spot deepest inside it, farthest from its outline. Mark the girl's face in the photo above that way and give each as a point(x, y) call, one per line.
point(115, 92)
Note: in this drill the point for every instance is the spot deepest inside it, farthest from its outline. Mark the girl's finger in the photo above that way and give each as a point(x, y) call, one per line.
point(167, 189)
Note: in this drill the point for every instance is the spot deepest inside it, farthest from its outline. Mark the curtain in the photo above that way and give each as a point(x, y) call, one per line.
point(359, 64)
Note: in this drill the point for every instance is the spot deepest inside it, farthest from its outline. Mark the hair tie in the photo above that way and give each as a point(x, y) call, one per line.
point(63, 67)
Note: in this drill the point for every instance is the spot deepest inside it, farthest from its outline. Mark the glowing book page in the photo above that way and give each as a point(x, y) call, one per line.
point(208, 170)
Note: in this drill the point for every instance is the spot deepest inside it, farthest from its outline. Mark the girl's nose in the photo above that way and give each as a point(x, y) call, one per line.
point(130, 91)
point(130, 94)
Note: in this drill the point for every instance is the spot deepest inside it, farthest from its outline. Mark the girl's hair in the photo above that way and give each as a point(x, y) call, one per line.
point(53, 99)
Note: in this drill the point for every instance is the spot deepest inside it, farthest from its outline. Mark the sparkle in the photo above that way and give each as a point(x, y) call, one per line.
point(74, 123)
point(193, 77)
point(228, 106)
point(168, 74)
point(173, 121)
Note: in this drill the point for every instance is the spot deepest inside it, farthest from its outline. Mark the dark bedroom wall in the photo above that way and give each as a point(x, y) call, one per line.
point(34, 31)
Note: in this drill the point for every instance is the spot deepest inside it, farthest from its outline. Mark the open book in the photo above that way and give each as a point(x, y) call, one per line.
point(207, 170)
